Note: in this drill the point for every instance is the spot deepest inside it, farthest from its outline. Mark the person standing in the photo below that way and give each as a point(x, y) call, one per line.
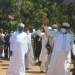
point(61, 56)
point(51, 43)
point(7, 44)
point(2, 42)
point(29, 60)
point(18, 50)
point(43, 54)
point(38, 42)
point(73, 57)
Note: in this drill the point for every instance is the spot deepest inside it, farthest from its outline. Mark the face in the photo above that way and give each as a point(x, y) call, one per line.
point(64, 29)
point(27, 31)
point(20, 29)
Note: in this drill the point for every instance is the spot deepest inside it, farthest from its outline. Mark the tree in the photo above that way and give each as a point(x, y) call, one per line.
point(30, 12)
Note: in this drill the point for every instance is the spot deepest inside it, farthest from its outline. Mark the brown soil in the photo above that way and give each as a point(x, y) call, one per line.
point(32, 71)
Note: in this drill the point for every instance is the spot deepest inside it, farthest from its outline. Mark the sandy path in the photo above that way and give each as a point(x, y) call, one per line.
point(32, 71)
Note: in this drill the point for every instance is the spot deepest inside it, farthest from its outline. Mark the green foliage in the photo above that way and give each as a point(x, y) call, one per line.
point(30, 12)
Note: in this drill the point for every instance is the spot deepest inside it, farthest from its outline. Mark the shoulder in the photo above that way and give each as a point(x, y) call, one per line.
point(70, 35)
point(58, 32)
point(15, 32)
point(24, 33)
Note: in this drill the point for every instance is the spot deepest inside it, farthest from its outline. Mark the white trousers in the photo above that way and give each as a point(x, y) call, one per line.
point(43, 66)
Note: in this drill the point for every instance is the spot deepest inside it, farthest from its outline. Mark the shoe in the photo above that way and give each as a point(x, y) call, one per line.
point(41, 72)
point(27, 68)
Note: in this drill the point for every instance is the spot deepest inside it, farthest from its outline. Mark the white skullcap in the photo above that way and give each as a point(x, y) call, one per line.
point(22, 25)
point(66, 24)
point(33, 30)
point(50, 28)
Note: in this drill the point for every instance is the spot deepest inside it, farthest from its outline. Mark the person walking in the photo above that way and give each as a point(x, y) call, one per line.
point(73, 57)
point(43, 55)
point(2, 42)
point(29, 60)
point(51, 43)
point(61, 56)
point(18, 50)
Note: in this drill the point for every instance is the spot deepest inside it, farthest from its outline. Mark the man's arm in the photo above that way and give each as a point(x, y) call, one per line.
point(26, 45)
point(11, 44)
point(73, 46)
point(39, 33)
point(48, 32)
point(33, 33)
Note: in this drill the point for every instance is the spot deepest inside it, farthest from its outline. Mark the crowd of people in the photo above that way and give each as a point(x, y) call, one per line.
point(24, 47)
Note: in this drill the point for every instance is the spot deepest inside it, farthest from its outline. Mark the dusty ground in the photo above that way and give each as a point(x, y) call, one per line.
point(32, 71)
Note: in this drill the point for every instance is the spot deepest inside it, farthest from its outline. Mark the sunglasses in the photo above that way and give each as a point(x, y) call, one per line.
point(65, 27)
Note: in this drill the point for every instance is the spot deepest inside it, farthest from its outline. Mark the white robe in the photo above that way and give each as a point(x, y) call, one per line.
point(29, 60)
point(43, 54)
point(18, 45)
point(60, 59)
point(73, 48)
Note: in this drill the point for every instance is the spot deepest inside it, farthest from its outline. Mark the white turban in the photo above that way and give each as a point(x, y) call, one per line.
point(22, 25)
point(66, 24)
point(49, 28)
point(33, 30)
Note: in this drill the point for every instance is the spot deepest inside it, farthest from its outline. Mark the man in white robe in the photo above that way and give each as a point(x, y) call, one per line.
point(73, 51)
point(29, 60)
point(61, 56)
point(2, 42)
point(18, 50)
point(51, 42)
point(43, 54)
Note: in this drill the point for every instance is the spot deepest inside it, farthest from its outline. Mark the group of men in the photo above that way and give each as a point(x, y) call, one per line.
point(61, 54)
point(57, 62)
point(4, 51)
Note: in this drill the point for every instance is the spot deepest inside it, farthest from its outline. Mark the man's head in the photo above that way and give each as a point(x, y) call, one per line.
point(65, 27)
point(26, 29)
point(21, 27)
point(1, 30)
point(11, 33)
point(54, 26)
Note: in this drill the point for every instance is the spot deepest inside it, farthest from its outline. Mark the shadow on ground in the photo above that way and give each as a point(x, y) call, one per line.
point(4, 64)
point(4, 68)
point(34, 72)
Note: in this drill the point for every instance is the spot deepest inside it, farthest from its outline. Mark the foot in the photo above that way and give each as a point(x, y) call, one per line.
point(41, 71)
point(27, 68)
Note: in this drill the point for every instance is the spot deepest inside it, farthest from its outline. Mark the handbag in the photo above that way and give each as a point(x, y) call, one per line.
point(48, 47)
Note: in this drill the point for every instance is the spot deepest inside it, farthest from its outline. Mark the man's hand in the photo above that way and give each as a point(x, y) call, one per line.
point(25, 55)
point(45, 21)
point(11, 53)
point(41, 28)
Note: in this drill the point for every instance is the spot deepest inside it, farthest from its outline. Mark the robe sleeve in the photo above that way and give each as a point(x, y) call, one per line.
point(73, 46)
point(26, 44)
point(12, 42)
point(33, 33)
point(49, 32)
point(73, 49)
point(40, 33)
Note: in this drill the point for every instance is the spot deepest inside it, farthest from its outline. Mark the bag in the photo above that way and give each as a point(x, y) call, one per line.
point(48, 47)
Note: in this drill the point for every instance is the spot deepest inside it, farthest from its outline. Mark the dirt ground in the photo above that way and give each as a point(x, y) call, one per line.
point(32, 71)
